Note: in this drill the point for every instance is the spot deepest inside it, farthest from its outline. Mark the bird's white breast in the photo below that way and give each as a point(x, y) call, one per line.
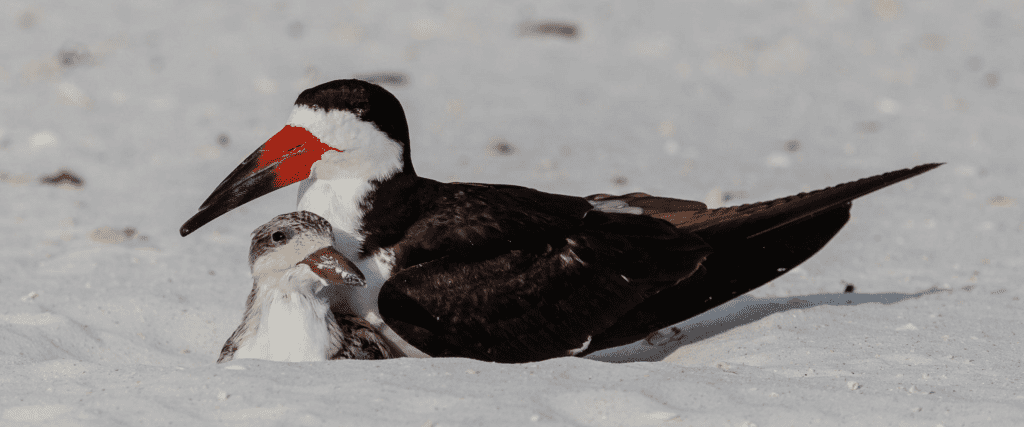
point(339, 201)
point(292, 327)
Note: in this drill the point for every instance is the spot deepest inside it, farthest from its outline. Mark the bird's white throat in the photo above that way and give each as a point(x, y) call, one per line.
point(339, 183)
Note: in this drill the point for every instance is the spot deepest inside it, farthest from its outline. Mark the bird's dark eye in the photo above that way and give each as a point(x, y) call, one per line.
point(278, 236)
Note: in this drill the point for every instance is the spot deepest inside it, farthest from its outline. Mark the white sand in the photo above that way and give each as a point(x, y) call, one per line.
point(102, 327)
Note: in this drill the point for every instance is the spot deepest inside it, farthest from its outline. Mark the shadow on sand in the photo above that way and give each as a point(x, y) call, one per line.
point(738, 312)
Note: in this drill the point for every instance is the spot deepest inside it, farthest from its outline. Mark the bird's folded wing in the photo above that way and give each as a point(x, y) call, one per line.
point(529, 303)
point(755, 219)
point(482, 221)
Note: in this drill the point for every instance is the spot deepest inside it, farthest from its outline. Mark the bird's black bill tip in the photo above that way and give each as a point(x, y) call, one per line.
point(200, 219)
point(235, 191)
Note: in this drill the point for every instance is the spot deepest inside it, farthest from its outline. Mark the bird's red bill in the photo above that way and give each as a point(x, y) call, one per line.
point(291, 153)
point(283, 160)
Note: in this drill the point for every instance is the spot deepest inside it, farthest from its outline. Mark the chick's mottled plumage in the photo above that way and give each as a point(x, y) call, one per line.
point(288, 315)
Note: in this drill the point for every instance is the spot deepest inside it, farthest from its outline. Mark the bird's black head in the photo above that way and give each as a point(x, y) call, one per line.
point(369, 102)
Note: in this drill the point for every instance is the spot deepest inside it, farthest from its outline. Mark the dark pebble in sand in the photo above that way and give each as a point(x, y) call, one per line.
point(501, 147)
point(63, 177)
point(73, 57)
point(558, 29)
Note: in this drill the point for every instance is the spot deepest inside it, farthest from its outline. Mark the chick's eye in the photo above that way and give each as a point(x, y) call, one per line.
point(278, 236)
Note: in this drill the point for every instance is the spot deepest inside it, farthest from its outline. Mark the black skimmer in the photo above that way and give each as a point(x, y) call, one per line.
point(288, 315)
point(507, 273)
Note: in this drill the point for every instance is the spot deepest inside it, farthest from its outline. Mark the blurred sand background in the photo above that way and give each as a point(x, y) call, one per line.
point(118, 118)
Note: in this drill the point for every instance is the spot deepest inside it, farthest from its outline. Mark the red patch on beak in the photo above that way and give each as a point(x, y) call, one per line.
point(291, 154)
point(283, 160)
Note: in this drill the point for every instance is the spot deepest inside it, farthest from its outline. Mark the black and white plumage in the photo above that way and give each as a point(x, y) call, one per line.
point(507, 273)
point(288, 315)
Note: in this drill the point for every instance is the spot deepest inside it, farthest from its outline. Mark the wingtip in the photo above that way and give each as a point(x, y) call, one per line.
point(903, 174)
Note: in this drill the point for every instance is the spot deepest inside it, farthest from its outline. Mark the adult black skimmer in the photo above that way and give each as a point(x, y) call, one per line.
point(288, 316)
point(507, 273)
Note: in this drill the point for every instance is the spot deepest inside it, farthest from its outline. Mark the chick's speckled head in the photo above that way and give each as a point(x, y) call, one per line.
point(291, 237)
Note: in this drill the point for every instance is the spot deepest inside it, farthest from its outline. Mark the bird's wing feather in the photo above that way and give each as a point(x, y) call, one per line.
point(750, 220)
point(753, 243)
point(482, 221)
point(528, 284)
